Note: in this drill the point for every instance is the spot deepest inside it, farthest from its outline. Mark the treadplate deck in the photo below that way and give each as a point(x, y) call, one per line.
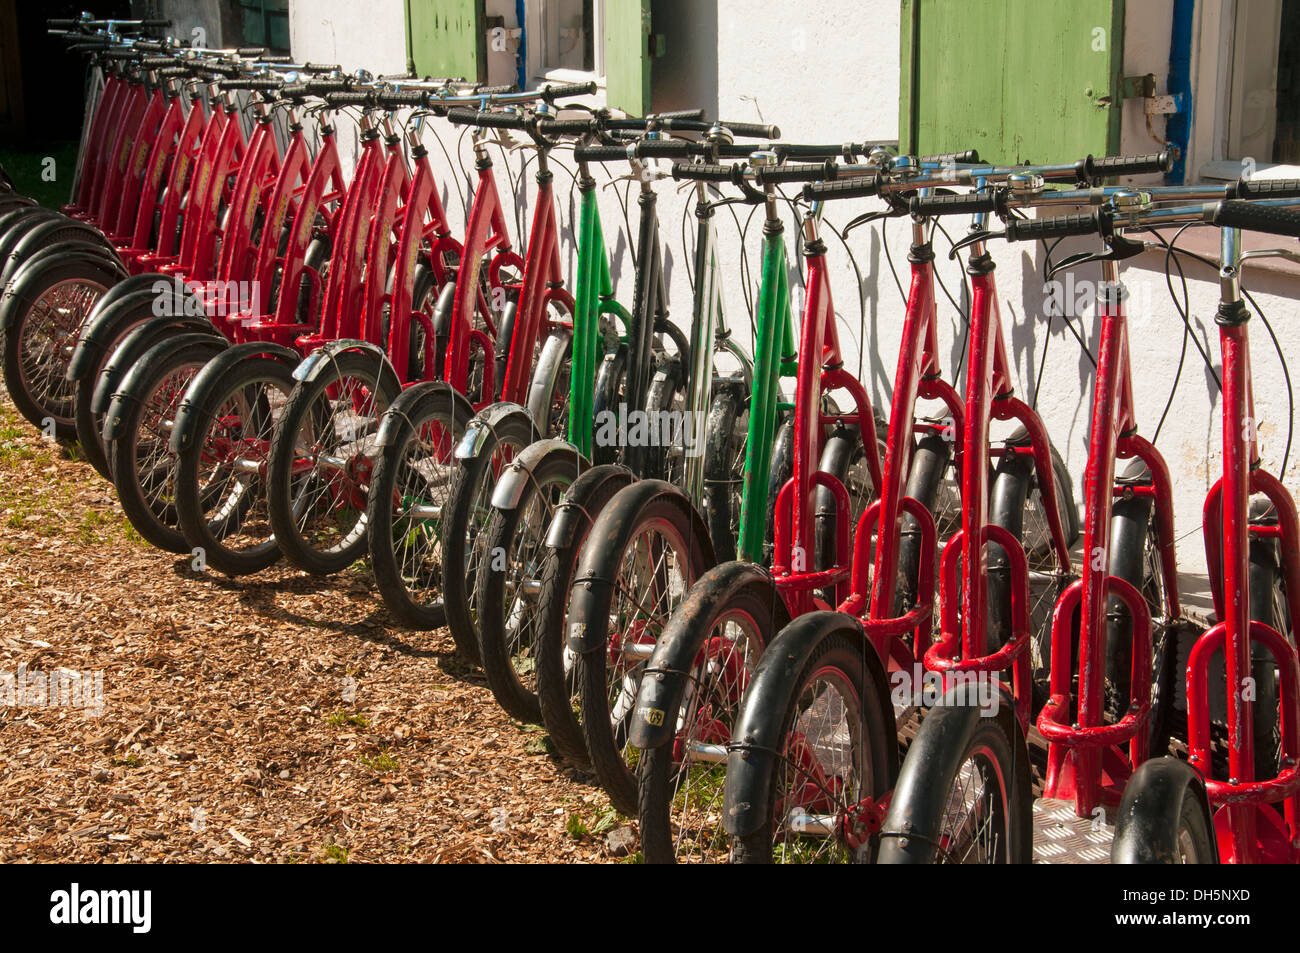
point(1062, 837)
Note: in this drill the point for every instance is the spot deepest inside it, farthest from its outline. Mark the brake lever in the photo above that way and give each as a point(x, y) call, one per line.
point(1118, 248)
point(866, 218)
point(972, 238)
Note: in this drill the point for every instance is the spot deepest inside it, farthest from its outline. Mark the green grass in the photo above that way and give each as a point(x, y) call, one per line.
point(340, 718)
point(604, 820)
point(335, 854)
point(26, 166)
point(380, 762)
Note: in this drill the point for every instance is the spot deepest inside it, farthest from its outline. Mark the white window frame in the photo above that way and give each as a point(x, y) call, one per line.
point(1229, 37)
point(535, 27)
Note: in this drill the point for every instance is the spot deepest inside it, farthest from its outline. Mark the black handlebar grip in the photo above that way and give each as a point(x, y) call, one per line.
point(969, 157)
point(1273, 219)
point(964, 203)
point(252, 82)
point(469, 117)
point(697, 114)
point(854, 188)
point(319, 87)
point(796, 172)
point(149, 62)
point(293, 91)
point(250, 51)
point(501, 90)
point(320, 67)
point(352, 97)
point(565, 127)
point(735, 150)
point(171, 71)
point(1091, 169)
point(798, 150)
point(155, 24)
point(599, 153)
point(1264, 189)
point(662, 149)
point(567, 90)
point(61, 24)
point(396, 98)
point(275, 58)
point(753, 130)
point(1058, 226)
point(152, 46)
point(708, 173)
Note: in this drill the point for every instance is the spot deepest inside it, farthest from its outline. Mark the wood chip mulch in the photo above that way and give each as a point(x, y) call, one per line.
point(273, 719)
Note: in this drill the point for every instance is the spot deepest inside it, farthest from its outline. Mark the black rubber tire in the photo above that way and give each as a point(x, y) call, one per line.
point(128, 314)
point(664, 396)
point(611, 388)
point(499, 649)
point(316, 257)
point(606, 741)
point(31, 234)
point(433, 409)
point(1162, 815)
point(1013, 494)
point(442, 312)
point(1134, 544)
point(472, 482)
point(781, 471)
point(724, 472)
point(1268, 605)
point(842, 453)
point(841, 652)
point(658, 771)
point(248, 382)
point(952, 736)
point(501, 345)
point(556, 688)
point(307, 409)
point(36, 402)
point(930, 461)
point(176, 360)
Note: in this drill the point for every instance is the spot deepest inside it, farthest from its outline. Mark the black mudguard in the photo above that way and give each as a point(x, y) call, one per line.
point(106, 324)
point(93, 256)
point(1146, 828)
point(601, 481)
point(134, 379)
point(756, 737)
point(668, 671)
point(400, 409)
point(937, 752)
point(592, 591)
point(196, 402)
point(134, 345)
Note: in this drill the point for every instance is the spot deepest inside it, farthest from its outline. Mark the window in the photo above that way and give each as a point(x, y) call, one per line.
point(1257, 93)
point(265, 23)
point(565, 39)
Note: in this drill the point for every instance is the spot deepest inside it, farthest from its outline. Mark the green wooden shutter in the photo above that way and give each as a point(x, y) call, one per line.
point(627, 55)
point(1019, 80)
point(446, 38)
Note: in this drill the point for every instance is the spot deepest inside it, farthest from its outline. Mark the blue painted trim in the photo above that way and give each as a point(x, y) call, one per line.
point(1178, 127)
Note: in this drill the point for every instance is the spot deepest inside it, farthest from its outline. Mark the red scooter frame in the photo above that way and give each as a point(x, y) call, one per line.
point(821, 369)
point(1248, 830)
point(1086, 762)
point(963, 645)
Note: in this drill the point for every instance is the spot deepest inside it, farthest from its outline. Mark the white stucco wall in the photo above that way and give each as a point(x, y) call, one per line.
point(830, 73)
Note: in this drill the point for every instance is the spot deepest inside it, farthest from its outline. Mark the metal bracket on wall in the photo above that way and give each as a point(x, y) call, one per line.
point(1144, 88)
